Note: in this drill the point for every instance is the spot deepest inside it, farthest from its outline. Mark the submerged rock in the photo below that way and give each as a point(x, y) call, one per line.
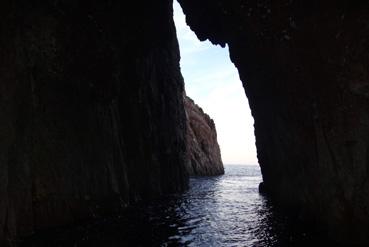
point(203, 152)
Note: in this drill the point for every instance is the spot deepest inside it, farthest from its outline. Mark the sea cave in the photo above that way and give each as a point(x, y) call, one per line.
point(93, 115)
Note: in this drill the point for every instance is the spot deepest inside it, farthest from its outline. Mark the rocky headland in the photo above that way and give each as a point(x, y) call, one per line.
point(203, 152)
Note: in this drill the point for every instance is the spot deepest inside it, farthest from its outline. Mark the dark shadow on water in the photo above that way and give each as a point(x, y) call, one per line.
point(215, 211)
point(140, 225)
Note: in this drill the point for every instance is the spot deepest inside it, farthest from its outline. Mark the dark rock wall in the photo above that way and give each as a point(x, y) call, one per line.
point(203, 152)
point(304, 67)
point(91, 110)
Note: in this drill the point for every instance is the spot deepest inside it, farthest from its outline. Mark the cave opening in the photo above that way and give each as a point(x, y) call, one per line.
point(212, 81)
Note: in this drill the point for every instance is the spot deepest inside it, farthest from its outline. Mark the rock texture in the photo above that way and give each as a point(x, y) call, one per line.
point(304, 67)
point(203, 152)
point(92, 114)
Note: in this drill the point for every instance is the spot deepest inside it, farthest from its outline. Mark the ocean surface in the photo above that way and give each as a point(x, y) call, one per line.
point(216, 211)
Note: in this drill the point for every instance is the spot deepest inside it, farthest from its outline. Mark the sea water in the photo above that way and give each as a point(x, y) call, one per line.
point(224, 210)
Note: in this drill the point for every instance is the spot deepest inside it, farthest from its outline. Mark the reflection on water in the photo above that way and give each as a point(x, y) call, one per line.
point(215, 211)
point(225, 210)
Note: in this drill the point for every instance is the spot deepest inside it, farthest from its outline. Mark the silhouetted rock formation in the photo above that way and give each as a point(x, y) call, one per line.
point(203, 152)
point(92, 114)
point(304, 66)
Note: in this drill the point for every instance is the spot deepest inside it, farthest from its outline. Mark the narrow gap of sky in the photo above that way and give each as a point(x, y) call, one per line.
point(212, 81)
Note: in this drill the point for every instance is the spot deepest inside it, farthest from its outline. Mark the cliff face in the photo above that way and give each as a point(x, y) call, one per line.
point(203, 152)
point(92, 114)
point(304, 67)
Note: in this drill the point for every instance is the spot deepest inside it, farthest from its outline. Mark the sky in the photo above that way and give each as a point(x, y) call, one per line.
point(212, 81)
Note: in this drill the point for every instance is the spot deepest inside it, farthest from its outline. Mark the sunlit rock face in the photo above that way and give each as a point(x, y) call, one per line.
point(92, 114)
point(304, 67)
point(203, 152)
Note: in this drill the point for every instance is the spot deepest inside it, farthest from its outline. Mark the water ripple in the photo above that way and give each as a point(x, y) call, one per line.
point(215, 211)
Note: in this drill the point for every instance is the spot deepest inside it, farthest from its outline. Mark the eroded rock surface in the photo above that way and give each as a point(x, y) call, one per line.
point(92, 114)
point(304, 67)
point(203, 152)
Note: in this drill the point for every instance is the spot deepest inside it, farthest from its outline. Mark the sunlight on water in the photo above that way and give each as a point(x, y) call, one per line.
point(224, 210)
point(216, 211)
